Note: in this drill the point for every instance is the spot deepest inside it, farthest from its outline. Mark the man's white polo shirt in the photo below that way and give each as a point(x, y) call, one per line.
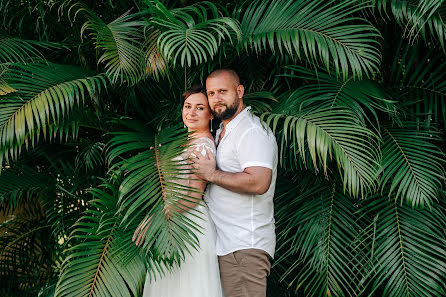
point(244, 221)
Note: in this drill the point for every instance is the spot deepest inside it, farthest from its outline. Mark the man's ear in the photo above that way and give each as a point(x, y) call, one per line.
point(240, 91)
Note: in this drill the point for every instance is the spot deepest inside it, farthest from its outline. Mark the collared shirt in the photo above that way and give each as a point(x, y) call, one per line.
point(242, 220)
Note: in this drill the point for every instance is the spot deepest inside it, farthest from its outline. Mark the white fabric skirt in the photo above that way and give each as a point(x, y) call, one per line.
point(198, 275)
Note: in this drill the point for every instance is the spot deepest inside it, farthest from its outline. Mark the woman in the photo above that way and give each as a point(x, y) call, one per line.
point(198, 275)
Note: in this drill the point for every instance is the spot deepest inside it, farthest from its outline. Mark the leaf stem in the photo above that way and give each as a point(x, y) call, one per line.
point(23, 236)
point(401, 247)
point(100, 261)
point(329, 235)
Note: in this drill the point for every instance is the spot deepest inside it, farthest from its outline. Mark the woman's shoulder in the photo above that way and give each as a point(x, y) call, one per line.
point(203, 144)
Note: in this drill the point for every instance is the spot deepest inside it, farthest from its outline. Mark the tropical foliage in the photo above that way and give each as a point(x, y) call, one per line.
point(355, 92)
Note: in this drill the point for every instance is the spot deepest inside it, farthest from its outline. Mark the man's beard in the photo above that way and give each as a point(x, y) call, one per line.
point(228, 113)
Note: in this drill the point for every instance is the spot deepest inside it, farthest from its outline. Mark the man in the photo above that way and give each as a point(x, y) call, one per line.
point(240, 192)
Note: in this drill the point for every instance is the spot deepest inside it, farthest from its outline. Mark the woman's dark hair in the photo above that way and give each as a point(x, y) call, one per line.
point(195, 89)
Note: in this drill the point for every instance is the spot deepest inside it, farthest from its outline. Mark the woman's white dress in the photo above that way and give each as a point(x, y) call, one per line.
point(198, 275)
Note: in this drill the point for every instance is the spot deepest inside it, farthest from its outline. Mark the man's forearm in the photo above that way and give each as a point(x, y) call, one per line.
point(240, 182)
point(252, 180)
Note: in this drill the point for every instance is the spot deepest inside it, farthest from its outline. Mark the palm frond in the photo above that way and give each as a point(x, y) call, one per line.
point(26, 250)
point(420, 17)
point(331, 134)
point(69, 193)
point(21, 182)
point(318, 31)
point(155, 63)
point(5, 88)
point(158, 101)
point(46, 93)
point(418, 79)
point(317, 239)
point(259, 101)
point(412, 165)
point(13, 50)
point(119, 42)
point(407, 252)
point(90, 156)
point(151, 186)
point(95, 267)
point(365, 98)
point(189, 34)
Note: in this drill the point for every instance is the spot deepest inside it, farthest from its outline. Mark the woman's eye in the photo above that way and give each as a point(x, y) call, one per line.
point(200, 108)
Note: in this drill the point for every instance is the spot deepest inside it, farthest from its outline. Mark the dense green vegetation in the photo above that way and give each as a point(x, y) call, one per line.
point(355, 92)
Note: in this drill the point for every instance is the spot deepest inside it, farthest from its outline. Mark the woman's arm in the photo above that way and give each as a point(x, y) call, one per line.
point(192, 198)
point(202, 146)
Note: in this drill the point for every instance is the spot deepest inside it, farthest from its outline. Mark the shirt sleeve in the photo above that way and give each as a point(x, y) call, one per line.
point(257, 148)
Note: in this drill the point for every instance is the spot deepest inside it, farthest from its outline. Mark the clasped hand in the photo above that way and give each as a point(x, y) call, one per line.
point(205, 166)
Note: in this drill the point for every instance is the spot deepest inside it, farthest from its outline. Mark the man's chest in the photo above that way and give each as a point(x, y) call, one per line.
point(226, 157)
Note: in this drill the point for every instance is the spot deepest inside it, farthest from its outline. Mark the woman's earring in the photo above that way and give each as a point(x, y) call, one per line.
point(184, 126)
point(211, 126)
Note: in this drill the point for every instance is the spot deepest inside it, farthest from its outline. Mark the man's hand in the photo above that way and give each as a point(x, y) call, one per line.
point(205, 166)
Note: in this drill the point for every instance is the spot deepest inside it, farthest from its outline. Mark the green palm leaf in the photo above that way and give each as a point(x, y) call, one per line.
point(5, 89)
point(119, 43)
point(420, 17)
point(331, 134)
point(21, 182)
point(322, 91)
point(408, 249)
point(26, 249)
point(317, 241)
point(418, 78)
point(46, 93)
point(150, 187)
point(189, 34)
point(412, 165)
point(428, 8)
point(90, 155)
point(14, 50)
point(259, 101)
point(156, 63)
point(96, 265)
point(158, 101)
point(319, 31)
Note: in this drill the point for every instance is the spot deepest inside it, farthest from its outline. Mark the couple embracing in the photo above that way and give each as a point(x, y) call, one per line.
point(238, 237)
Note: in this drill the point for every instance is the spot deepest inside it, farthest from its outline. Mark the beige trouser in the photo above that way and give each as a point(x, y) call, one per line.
point(243, 273)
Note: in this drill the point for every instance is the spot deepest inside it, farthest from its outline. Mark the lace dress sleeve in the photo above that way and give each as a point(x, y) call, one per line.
point(203, 145)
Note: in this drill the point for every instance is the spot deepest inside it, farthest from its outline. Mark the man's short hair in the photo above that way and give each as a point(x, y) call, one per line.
point(195, 89)
point(232, 73)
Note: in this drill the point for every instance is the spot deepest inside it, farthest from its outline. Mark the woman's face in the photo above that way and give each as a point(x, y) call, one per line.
point(196, 112)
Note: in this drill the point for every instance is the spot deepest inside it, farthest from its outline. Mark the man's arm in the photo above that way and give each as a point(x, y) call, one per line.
point(253, 180)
